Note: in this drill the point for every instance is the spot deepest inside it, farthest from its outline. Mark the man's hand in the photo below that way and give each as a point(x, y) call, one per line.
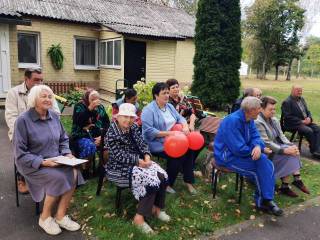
point(307, 120)
point(256, 153)
point(185, 129)
point(49, 163)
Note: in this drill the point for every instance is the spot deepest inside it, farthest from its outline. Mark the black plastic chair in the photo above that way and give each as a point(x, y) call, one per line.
point(16, 176)
point(216, 172)
point(293, 133)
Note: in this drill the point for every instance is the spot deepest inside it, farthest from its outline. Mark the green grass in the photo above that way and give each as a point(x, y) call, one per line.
point(191, 215)
point(67, 123)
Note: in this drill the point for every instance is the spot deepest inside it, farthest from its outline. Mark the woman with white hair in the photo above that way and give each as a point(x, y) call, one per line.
point(130, 165)
point(38, 137)
point(89, 118)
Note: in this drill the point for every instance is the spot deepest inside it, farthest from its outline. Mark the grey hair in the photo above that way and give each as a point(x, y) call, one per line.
point(93, 93)
point(250, 103)
point(35, 94)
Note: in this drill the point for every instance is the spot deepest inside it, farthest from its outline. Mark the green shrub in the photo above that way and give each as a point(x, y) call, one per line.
point(144, 92)
point(74, 96)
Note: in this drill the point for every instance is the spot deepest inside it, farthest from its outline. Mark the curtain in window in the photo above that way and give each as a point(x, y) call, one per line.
point(27, 48)
point(117, 53)
point(85, 52)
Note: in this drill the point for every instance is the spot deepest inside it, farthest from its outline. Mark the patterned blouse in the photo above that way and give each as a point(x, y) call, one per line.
point(182, 106)
point(82, 117)
point(125, 150)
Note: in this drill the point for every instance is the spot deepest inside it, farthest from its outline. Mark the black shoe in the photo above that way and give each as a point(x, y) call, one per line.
point(287, 191)
point(299, 184)
point(271, 207)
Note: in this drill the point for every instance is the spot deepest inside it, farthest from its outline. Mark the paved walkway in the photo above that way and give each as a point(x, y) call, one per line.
point(299, 226)
point(18, 223)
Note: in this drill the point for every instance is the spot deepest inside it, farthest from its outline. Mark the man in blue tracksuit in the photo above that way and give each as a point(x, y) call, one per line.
point(238, 147)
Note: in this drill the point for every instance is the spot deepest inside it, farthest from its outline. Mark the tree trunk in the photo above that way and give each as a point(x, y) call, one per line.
point(298, 69)
point(263, 72)
point(277, 71)
point(289, 70)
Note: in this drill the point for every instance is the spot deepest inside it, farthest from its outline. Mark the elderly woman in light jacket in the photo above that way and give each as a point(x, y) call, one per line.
point(285, 155)
point(158, 117)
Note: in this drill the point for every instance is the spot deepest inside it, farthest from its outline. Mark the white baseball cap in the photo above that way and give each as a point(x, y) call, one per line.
point(127, 109)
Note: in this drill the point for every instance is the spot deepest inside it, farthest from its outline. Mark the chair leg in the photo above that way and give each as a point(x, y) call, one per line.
point(241, 187)
point(100, 180)
point(237, 182)
point(37, 208)
point(215, 181)
point(292, 136)
point(300, 142)
point(118, 200)
point(16, 185)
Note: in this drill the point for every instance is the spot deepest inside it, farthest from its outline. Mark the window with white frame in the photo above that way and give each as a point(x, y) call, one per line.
point(86, 53)
point(110, 53)
point(28, 50)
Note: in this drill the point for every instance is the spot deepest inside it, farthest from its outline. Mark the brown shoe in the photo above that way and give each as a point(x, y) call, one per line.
point(299, 184)
point(287, 191)
point(22, 187)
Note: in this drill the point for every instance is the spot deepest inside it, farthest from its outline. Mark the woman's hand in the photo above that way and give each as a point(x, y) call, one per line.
point(185, 129)
point(94, 104)
point(49, 163)
point(97, 141)
point(267, 150)
point(192, 122)
point(69, 155)
point(144, 164)
point(292, 150)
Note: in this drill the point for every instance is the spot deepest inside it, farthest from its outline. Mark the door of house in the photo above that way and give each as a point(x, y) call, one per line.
point(4, 60)
point(134, 62)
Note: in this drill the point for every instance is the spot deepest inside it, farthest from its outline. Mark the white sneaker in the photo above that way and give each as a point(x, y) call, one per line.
point(50, 226)
point(163, 216)
point(68, 224)
point(170, 190)
point(145, 228)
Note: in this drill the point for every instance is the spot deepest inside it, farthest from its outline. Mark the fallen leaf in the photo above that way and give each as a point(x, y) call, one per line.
point(261, 225)
point(252, 217)
point(85, 205)
point(216, 217)
point(223, 186)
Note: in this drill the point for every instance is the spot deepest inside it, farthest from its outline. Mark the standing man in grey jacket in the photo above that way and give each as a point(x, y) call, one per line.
point(16, 103)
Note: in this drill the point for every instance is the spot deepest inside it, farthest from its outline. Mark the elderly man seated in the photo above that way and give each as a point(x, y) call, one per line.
point(238, 147)
point(297, 117)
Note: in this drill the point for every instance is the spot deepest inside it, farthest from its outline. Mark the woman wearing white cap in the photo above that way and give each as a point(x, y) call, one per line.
point(129, 164)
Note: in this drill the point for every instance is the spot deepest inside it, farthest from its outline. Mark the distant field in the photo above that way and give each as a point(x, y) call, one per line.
point(281, 89)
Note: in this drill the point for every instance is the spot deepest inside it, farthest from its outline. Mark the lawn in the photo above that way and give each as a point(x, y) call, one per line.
point(192, 215)
point(281, 90)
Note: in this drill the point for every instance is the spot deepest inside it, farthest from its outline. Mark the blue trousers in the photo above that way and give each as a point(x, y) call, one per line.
point(260, 171)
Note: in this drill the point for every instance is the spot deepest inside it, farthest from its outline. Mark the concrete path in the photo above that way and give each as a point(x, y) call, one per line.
point(302, 225)
point(18, 223)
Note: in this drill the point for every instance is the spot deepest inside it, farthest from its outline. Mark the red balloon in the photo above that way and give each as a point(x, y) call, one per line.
point(176, 145)
point(177, 127)
point(196, 140)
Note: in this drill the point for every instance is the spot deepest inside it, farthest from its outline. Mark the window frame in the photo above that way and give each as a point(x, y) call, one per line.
point(38, 55)
point(113, 66)
point(85, 67)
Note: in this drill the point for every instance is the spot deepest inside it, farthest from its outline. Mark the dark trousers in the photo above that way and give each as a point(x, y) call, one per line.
point(157, 198)
point(184, 164)
point(312, 133)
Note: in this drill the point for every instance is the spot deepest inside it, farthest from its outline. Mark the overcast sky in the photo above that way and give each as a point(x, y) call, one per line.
point(312, 26)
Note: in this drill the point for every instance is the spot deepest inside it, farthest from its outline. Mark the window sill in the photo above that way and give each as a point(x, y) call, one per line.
point(90, 68)
point(110, 67)
point(28, 65)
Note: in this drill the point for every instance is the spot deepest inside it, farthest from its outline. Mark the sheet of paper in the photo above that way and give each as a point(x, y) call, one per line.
point(69, 161)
